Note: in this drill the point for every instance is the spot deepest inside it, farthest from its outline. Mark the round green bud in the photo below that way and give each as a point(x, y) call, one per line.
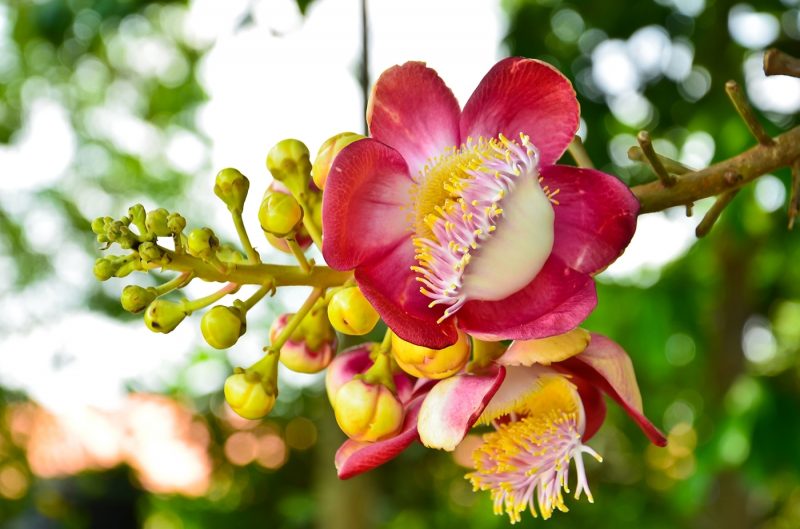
point(104, 269)
point(248, 398)
point(149, 252)
point(202, 242)
point(135, 298)
point(327, 153)
point(289, 162)
point(176, 223)
point(163, 316)
point(222, 326)
point(231, 187)
point(99, 225)
point(156, 222)
point(279, 214)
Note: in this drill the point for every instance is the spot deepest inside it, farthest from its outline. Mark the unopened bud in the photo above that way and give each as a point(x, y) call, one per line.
point(99, 225)
point(355, 361)
point(229, 254)
point(135, 298)
point(231, 187)
point(176, 223)
point(156, 222)
point(289, 162)
point(279, 214)
point(350, 313)
point(104, 269)
point(310, 347)
point(222, 326)
point(163, 316)
point(248, 398)
point(202, 242)
point(137, 214)
point(423, 362)
point(327, 153)
point(150, 252)
point(368, 412)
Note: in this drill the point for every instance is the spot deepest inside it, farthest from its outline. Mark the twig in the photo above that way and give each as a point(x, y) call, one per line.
point(713, 214)
point(778, 63)
point(673, 166)
point(646, 145)
point(579, 154)
point(716, 179)
point(744, 109)
point(794, 202)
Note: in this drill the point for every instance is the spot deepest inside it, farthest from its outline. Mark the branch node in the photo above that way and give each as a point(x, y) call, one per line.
point(744, 109)
point(713, 214)
point(732, 177)
point(673, 166)
point(778, 63)
point(667, 179)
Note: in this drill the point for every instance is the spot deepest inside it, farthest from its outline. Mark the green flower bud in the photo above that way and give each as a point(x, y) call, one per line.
point(248, 398)
point(137, 214)
point(99, 225)
point(229, 254)
point(290, 163)
point(104, 269)
point(202, 242)
point(231, 187)
point(149, 252)
point(176, 223)
point(156, 222)
point(135, 298)
point(163, 316)
point(279, 214)
point(222, 326)
point(327, 153)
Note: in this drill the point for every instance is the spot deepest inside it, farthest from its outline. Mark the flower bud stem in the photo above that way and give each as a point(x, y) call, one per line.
point(381, 370)
point(313, 230)
point(294, 321)
point(252, 254)
point(484, 353)
point(298, 253)
point(265, 371)
point(175, 283)
point(197, 304)
point(250, 302)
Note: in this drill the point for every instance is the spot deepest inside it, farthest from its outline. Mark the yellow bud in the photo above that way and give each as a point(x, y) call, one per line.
point(327, 153)
point(311, 347)
point(202, 242)
point(350, 313)
point(289, 162)
point(135, 298)
point(156, 222)
point(248, 398)
point(423, 362)
point(231, 187)
point(368, 412)
point(279, 214)
point(163, 316)
point(104, 269)
point(222, 326)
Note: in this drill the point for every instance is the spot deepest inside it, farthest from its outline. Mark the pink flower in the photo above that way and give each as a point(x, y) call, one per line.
point(544, 398)
point(459, 218)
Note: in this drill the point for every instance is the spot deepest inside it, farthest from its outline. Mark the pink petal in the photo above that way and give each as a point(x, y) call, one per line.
point(363, 204)
point(454, 405)
point(392, 288)
point(594, 406)
point(606, 365)
point(556, 301)
point(595, 216)
point(524, 96)
point(413, 111)
point(356, 360)
point(355, 457)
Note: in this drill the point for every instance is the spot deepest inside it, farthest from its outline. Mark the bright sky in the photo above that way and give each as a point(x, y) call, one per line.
point(283, 76)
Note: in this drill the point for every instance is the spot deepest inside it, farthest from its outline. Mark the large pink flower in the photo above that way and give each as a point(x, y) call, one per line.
point(441, 413)
point(459, 218)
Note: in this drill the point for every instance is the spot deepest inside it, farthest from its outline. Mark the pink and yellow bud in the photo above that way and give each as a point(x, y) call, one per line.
point(311, 347)
point(368, 412)
point(355, 361)
point(327, 153)
point(350, 313)
point(222, 326)
point(423, 362)
point(247, 396)
point(279, 214)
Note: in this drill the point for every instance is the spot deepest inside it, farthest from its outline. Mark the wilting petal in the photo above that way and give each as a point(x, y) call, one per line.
point(392, 288)
point(595, 216)
point(354, 457)
point(363, 204)
point(412, 110)
point(524, 96)
point(453, 406)
point(545, 351)
point(606, 365)
point(556, 301)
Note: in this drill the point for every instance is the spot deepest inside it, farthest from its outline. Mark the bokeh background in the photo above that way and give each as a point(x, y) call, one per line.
point(108, 103)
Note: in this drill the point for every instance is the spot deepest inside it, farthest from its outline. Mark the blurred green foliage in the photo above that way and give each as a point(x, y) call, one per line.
point(714, 336)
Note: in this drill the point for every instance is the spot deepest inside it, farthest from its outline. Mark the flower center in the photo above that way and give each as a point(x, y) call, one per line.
point(481, 205)
point(526, 463)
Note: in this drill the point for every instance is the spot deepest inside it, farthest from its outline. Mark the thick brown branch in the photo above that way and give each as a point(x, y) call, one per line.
point(723, 176)
point(778, 63)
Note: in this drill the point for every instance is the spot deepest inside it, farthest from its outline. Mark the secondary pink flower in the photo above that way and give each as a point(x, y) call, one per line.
point(510, 395)
point(459, 218)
